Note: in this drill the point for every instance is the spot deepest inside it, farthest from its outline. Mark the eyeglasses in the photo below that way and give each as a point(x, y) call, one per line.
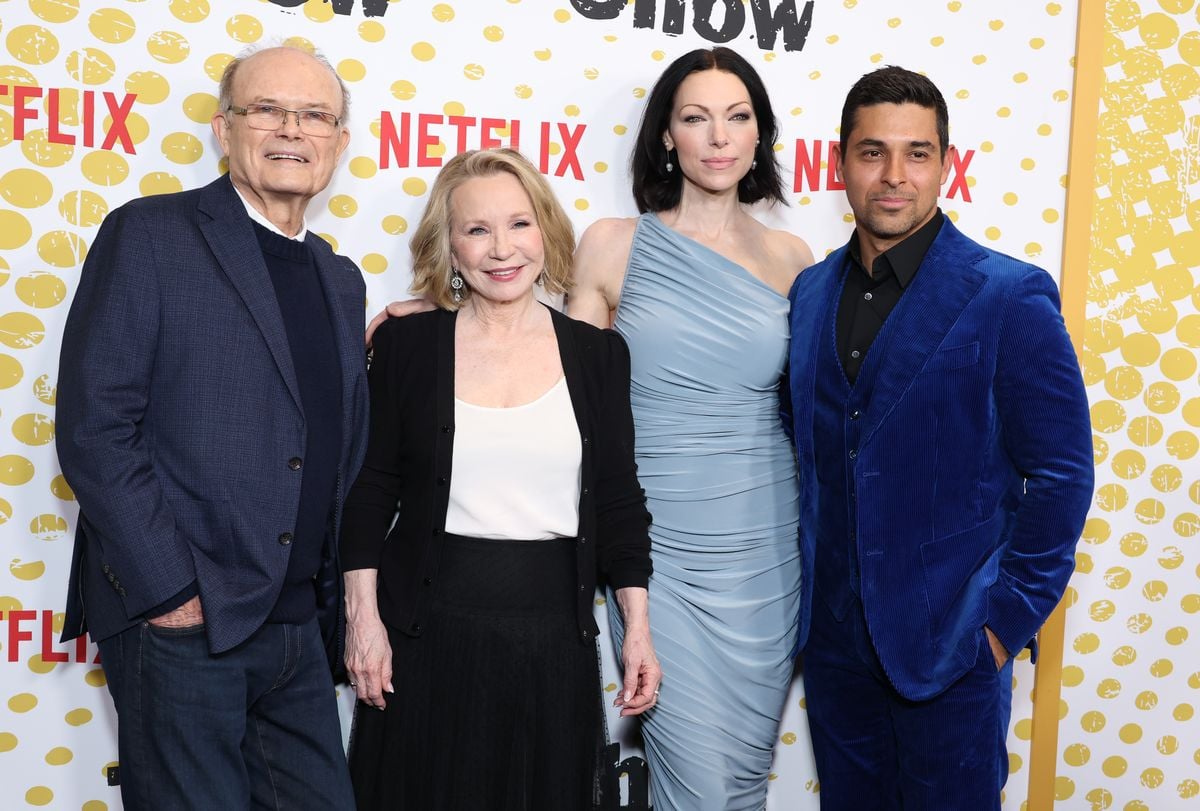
point(270, 117)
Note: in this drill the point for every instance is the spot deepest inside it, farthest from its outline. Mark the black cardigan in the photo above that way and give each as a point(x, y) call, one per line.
point(410, 449)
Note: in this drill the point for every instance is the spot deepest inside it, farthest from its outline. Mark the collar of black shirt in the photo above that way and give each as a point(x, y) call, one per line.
point(904, 257)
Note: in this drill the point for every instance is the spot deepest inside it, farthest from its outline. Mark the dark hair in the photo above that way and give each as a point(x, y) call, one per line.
point(895, 85)
point(655, 189)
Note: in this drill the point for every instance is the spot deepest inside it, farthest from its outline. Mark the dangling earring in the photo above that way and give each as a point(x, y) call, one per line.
point(456, 285)
point(754, 163)
point(670, 166)
point(541, 279)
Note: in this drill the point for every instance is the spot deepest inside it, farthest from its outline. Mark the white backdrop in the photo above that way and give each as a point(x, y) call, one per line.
point(553, 72)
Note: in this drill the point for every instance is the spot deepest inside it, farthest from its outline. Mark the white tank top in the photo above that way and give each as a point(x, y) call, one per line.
point(516, 470)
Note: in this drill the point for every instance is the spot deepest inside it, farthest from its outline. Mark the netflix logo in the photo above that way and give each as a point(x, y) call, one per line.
point(31, 632)
point(58, 132)
point(407, 140)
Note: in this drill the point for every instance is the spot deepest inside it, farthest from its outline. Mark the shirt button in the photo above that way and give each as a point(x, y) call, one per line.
point(867, 297)
point(285, 539)
point(853, 454)
point(437, 531)
point(416, 626)
point(585, 636)
point(582, 587)
point(445, 429)
point(295, 462)
point(427, 581)
point(583, 539)
point(855, 354)
point(442, 481)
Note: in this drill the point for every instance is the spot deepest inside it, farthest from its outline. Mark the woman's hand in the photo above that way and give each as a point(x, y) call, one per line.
point(642, 672)
point(368, 652)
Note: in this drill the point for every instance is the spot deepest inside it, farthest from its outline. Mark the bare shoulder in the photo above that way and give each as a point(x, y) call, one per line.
point(791, 252)
point(600, 262)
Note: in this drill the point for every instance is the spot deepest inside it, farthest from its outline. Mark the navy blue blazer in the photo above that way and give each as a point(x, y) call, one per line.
point(974, 470)
point(179, 421)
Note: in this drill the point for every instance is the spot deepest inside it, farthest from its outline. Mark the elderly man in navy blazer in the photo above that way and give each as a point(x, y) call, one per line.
point(212, 412)
point(945, 448)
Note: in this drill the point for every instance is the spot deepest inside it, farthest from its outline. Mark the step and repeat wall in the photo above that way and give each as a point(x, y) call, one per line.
point(102, 102)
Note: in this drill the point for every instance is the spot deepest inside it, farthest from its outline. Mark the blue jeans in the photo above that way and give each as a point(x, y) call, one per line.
point(253, 727)
point(875, 749)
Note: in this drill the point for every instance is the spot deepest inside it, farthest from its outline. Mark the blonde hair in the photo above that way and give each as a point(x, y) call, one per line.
point(430, 245)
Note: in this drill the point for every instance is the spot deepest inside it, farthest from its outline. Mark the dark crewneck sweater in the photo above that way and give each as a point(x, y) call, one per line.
point(314, 356)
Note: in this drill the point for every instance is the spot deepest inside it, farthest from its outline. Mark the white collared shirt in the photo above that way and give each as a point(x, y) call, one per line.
point(257, 216)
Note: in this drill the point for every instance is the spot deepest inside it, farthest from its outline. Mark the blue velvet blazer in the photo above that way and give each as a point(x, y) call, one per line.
point(974, 468)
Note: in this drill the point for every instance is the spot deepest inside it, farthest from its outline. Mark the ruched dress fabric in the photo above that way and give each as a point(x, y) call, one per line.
point(708, 342)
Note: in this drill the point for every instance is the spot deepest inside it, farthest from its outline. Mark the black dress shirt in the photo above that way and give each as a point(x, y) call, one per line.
point(869, 298)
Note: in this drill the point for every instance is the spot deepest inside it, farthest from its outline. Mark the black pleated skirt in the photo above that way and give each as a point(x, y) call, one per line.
point(497, 703)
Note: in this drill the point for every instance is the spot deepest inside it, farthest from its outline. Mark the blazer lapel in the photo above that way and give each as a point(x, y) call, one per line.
point(345, 307)
point(230, 236)
point(945, 284)
point(810, 301)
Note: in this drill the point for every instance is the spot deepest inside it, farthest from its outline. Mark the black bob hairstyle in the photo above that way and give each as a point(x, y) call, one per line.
point(656, 189)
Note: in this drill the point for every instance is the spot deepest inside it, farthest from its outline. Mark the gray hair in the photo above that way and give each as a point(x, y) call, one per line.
point(225, 88)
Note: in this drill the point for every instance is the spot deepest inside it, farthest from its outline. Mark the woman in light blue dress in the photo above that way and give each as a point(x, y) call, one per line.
point(698, 289)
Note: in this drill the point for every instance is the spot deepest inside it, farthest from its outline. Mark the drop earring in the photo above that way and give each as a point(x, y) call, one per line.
point(456, 285)
point(670, 167)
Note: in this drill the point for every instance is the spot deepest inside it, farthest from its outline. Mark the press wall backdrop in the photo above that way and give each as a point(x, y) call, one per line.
point(104, 101)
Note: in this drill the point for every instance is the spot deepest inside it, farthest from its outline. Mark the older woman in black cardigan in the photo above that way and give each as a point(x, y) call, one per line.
point(502, 431)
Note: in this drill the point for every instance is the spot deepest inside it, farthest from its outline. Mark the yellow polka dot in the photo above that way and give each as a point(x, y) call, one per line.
point(59, 756)
point(159, 183)
point(423, 52)
point(26, 188)
point(343, 205)
point(55, 11)
point(1004, 112)
point(1124, 656)
point(60, 489)
point(395, 224)
point(189, 11)
point(8, 741)
point(150, 87)
point(34, 568)
point(979, 59)
point(111, 25)
point(363, 167)
point(523, 91)
point(32, 44)
point(992, 232)
point(22, 702)
point(1010, 199)
point(542, 54)
point(493, 33)
point(371, 31)
point(10, 375)
point(182, 148)
point(374, 263)
point(200, 107)
point(78, 717)
point(1092, 721)
point(1028, 164)
point(403, 89)
point(214, 66)
point(1183, 712)
point(168, 47)
point(19, 330)
point(562, 15)
point(1037, 43)
point(39, 795)
point(937, 42)
point(1114, 766)
point(1086, 643)
point(620, 129)
point(443, 13)
point(1053, 9)
point(414, 186)
point(244, 28)
point(351, 70)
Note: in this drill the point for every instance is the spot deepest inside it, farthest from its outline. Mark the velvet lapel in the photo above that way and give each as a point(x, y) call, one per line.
point(811, 299)
point(944, 285)
point(230, 235)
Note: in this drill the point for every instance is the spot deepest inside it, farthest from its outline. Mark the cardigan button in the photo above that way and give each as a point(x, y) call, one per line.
point(853, 454)
point(295, 463)
point(285, 539)
point(855, 414)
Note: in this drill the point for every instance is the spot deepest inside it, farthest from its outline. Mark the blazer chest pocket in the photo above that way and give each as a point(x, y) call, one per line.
point(954, 357)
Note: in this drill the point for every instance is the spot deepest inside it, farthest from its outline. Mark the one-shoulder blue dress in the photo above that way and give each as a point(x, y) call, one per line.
point(708, 342)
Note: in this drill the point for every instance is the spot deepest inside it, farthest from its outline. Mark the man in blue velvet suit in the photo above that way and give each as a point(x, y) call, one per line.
point(945, 449)
point(211, 415)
